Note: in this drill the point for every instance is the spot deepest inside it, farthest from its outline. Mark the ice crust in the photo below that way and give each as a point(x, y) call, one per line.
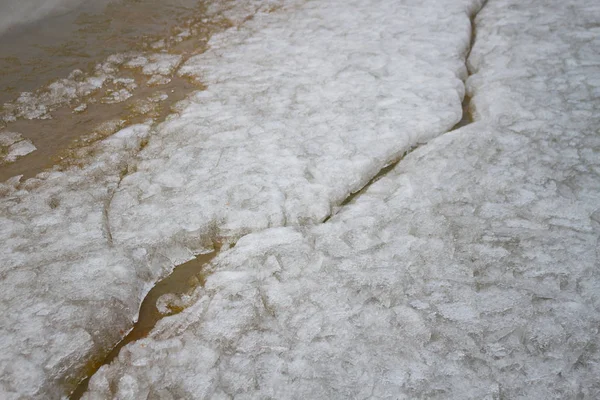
point(303, 105)
point(155, 64)
point(470, 271)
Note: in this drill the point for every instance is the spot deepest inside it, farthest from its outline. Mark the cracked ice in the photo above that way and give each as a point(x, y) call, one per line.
point(470, 270)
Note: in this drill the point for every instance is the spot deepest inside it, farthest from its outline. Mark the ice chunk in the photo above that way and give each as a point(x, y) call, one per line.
point(63, 294)
point(156, 64)
point(291, 123)
point(156, 80)
point(13, 146)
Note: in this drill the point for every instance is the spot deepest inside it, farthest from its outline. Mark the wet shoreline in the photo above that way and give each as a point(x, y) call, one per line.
point(113, 91)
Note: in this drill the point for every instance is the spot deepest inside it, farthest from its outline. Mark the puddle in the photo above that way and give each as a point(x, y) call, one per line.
point(183, 280)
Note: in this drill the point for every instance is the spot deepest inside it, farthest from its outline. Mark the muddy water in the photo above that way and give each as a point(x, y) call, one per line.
point(183, 280)
point(33, 56)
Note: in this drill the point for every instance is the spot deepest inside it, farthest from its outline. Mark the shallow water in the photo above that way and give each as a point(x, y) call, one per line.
point(57, 138)
point(32, 55)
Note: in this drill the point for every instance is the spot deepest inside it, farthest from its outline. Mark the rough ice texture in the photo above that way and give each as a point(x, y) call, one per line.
point(13, 146)
point(470, 271)
point(303, 106)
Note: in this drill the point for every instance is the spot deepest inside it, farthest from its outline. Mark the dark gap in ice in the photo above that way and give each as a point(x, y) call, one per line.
point(183, 280)
point(467, 118)
point(374, 179)
point(467, 108)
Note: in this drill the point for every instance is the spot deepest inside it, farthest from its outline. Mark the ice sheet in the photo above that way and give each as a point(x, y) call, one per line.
point(303, 105)
point(470, 271)
point(62, 284)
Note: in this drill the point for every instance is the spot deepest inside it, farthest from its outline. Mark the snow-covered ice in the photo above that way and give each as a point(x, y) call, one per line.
point(303, 105)
point(469, 271)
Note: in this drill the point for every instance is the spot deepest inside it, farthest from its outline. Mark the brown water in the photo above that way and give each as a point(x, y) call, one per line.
point(183, 280)
point(33, 56)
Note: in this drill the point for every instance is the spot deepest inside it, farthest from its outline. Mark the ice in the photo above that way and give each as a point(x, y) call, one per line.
point(13, 146)
point(117, 96)
point(156, 80)
point(304, 104)
point(469, 271)
point(279, 140)
point(156, 64)
point(80, 108)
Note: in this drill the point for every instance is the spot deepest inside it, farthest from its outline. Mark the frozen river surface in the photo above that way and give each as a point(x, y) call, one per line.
point(468, 270)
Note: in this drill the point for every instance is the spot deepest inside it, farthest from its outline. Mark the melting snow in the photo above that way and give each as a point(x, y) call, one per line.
point(468, 271)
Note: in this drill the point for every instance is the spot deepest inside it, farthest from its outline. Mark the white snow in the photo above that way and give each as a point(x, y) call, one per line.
point(304, 104)
point(469, 271)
